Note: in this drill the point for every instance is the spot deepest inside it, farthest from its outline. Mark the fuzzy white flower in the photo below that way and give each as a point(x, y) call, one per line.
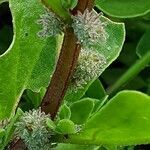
point(88, 28)
point(51, 25)
point(90, 65)
point(31, 128)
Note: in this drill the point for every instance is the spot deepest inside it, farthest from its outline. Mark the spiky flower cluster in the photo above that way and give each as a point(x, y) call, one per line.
point(88, 28)
point(51, 25)
point(90, 65)
point(31, 128)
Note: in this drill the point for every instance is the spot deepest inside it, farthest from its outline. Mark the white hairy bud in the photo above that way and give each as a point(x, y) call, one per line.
point(88, 28)
point(90, 65)
point(32, 129)
point(51, 25)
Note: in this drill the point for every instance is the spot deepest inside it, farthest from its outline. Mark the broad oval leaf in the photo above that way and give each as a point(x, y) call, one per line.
point(75, 147)
point(124, 120)
point(110, 50)
point(124, 8)
point(81, 110)
point(29, 59)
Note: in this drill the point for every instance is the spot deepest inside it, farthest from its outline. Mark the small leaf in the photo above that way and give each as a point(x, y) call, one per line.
point(124, 9)
point(124, 120)
point(10, 128)
point(35, 97)
point(81, 110)
point(50, 124)
point(96, 90)
point(66, 126)
point(2, 133)
point(75, 147)
point(64, 112)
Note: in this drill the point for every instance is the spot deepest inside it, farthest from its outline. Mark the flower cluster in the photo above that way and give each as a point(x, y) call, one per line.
point(51, 25)
point(90, 65)
point(88, 28)
point(31, 128)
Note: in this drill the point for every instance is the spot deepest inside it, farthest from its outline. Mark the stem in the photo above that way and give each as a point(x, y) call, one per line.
point(65, 66)
point(131, 73)
point(16, 145)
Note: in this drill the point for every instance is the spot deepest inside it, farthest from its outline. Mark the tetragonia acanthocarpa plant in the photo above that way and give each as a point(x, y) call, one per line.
point(65, 44)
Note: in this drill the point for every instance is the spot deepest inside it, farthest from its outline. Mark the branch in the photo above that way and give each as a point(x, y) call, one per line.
point(65, 66)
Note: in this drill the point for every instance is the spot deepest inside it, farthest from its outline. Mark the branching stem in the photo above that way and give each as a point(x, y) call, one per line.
point(65, 66)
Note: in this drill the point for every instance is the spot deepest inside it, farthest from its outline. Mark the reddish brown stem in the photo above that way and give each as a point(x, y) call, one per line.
point(65, 66)
point(17, 145)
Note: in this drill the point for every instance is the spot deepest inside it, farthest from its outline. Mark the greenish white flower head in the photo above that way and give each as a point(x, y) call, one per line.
point(32, 129)
point(90, 65)
point(51, 25)
point(88, 28)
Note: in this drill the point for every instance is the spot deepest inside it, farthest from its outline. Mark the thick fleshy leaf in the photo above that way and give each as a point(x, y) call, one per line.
point(124, 120)
point(96, 90)
point(110, 50)
point(66, 126)
point(65, 112)
point(75, 147)
point(124, 8)
point(81, 110)
point(29, 59)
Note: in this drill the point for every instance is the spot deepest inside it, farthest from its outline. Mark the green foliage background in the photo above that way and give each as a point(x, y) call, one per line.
point(114, 107)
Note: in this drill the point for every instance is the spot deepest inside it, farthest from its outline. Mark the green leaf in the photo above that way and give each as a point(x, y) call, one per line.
point(69, 4)
point(81, 110)
point(57, 7)
point(10, 128)
point(1, 1)
point(35, 97)
point(2, 133)
point(124, 120)
point(65, 112)
point(143, 47)
point(124, 8)
point(75, 147)
point(50, 124)
point(29, 62)
point(96, 90)
point(66, 126)
point(109, 49)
